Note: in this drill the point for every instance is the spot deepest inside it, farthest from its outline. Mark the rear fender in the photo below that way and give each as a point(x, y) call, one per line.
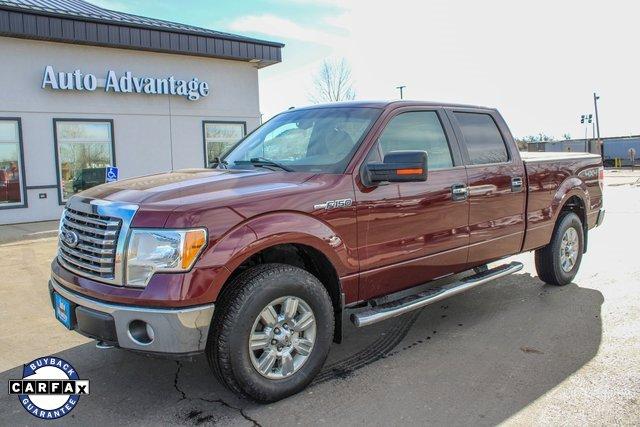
point(572, 186)
point(539, 232)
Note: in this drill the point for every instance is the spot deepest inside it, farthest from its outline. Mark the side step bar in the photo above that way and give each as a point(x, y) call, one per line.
point(419, 300)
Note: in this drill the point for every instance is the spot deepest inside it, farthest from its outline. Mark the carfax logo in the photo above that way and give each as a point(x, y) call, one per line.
point(50, 388)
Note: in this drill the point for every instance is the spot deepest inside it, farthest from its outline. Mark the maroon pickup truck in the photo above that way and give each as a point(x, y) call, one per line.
point(319, 212)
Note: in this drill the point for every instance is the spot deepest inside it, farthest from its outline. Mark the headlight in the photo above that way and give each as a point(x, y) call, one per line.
point(159, 250)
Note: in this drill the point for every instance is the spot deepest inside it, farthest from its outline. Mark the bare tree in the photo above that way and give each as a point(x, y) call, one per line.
point(333, 83)
point(523, 142)
point(541, 137)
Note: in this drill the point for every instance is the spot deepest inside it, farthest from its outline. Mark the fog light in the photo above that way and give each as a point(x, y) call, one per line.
point(141, 332)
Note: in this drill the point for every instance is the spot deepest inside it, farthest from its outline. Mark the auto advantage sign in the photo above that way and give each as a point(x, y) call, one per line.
point(126, 82)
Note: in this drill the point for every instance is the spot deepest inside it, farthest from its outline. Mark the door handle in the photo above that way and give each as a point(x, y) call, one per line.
point(459, 192)
point(516, 184)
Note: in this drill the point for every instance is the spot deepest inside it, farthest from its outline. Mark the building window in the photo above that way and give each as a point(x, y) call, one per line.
point(11, 165)
point(84, 148)
point(219, 137)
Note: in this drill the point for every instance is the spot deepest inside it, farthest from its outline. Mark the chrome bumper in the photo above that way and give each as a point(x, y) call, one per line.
point(172, 331)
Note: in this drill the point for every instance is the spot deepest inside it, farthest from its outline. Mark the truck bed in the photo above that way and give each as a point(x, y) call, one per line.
point(547, 174)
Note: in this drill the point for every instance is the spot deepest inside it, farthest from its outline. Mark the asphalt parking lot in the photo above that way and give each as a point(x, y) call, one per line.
point(514, 351)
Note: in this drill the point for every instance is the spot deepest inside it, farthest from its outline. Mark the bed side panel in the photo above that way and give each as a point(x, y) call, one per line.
point(550, 184)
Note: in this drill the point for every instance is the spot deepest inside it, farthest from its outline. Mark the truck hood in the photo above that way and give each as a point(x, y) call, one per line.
point(183, 188)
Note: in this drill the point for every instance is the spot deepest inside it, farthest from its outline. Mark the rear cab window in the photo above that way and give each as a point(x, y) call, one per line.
point(482, 139)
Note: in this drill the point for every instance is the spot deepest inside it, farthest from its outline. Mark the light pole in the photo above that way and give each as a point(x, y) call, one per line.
point(595, 106)
point(400, 88)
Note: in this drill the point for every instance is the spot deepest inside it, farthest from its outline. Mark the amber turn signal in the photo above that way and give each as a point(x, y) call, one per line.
point(409, 171)
point(194, 242)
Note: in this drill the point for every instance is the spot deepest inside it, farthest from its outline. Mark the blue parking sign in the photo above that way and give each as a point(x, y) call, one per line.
point(111, 174)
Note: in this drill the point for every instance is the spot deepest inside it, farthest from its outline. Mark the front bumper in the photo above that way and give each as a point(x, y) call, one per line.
point(600, 218)
point(182, 331)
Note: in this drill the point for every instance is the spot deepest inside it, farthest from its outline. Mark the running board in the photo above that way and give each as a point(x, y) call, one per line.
point(413, 302)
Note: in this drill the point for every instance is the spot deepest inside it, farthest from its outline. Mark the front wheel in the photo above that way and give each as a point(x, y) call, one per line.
point(558, 262)
point(271, 332)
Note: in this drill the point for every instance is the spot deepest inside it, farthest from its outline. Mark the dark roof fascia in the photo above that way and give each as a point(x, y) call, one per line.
point(266, 52)
point(218, 34)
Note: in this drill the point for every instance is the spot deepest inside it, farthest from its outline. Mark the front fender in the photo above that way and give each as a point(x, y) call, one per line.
point(259, 233)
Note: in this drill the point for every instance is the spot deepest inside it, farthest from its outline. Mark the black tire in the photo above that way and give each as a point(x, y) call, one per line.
point(548, 258)
point(237, 309)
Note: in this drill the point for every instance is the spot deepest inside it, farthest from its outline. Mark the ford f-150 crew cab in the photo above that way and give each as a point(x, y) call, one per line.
point(255, 260)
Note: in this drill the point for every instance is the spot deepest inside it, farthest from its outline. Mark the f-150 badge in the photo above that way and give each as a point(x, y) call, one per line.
point(334, 204)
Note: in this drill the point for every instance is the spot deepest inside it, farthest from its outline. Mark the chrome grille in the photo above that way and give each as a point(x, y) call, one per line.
point(88, 242)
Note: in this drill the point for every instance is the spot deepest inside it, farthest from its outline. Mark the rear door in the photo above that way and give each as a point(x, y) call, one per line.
point(496, 180)
point(411, 232)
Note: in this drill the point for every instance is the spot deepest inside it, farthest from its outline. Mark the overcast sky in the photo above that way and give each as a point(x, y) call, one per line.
point(538, 62)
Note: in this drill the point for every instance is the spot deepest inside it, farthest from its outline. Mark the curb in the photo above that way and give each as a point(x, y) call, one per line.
point(30, 238)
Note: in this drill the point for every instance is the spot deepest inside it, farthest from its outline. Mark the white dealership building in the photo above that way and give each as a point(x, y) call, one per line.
point(83, 88)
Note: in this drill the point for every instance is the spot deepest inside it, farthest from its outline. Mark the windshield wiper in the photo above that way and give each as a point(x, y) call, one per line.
point(219, 163)
point(262, 162)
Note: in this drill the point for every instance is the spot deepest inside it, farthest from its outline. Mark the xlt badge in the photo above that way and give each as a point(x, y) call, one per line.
point(334, 204)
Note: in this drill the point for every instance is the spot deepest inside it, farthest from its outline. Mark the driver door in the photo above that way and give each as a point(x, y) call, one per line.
point(413, 232)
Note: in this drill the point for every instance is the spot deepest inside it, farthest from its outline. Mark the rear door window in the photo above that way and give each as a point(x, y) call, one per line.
point(482, 138)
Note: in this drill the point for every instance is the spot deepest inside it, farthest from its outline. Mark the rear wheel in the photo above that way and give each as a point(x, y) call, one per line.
point(558, 262)
point(271, 333)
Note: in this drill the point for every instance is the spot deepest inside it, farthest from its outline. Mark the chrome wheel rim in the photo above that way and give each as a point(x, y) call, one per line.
point(282, 337)
point(569, 247)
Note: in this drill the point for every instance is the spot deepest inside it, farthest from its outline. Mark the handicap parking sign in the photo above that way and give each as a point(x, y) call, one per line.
point(111, 174)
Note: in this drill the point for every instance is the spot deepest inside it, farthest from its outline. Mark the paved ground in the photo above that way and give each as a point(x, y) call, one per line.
point(514, 351)
point(617, 177)
point(28, 231)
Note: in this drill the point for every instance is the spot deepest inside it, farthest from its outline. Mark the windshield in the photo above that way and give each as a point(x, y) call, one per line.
point(311, 140)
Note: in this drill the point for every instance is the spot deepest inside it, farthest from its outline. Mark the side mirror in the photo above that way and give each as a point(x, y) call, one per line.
point(398, 166)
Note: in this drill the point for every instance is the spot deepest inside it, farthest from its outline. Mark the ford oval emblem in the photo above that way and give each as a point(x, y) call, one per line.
point(70, 238)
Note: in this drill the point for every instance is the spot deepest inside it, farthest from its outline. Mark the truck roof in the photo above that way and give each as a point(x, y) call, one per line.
point(386, 103)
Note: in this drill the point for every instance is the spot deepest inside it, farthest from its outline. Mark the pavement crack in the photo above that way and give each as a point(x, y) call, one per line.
point(220, 401)
point(175, 381)
point(379, 349)
point(235, 408)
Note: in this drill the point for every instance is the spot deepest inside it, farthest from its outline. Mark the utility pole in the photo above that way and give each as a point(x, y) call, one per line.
point(400, 88)
point(595, 106)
